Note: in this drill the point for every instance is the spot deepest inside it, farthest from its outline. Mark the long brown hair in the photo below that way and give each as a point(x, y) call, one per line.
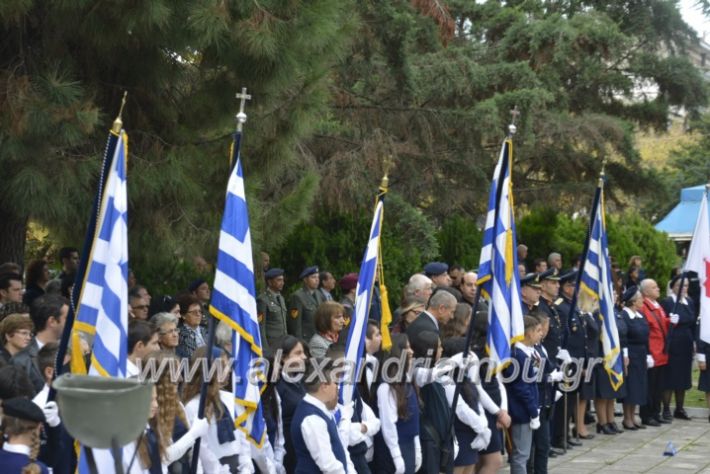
point(168, 400)
point(213, 404)
point(398, 387)
point(13, 426)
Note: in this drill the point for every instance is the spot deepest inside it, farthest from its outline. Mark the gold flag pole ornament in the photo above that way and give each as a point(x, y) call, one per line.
point(386, 312)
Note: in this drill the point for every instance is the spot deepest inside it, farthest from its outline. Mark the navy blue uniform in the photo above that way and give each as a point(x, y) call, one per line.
point(305, 464)
point(678, 372)
point(291, 395)
point(636, 379)
point(14, 463)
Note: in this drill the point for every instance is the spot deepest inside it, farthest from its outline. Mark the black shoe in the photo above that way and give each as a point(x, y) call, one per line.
point(605, 429)
point(662, 420)
point(681, 414)
point(640, 427)
point(587, 436)
point(589, 419)
point(667, 415)
point(614, 428)
point(651, 422)
point(551, 454)
point(630, 428)
point(557, 451)
point(573, 442)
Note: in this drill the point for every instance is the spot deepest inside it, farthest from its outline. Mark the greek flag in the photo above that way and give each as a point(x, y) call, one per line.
point(596, 282)
point(358, 326)
point(103, 302)
point(498, 269)
point(234, 302)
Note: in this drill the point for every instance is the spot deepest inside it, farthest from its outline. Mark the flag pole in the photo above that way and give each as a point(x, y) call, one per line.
point(474, 310)
point(91, 231)
point(241, 118)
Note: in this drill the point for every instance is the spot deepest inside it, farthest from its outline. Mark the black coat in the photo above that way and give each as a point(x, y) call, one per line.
point(423, 322)
point(678, 371)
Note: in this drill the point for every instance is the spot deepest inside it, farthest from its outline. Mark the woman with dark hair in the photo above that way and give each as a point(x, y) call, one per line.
point(397, 445)
point(637, 337)
point(494, 400)
point(470, 423)
point(329, 320)
point(633, 277)
point(436, 435)
point(37, 277)
point(294, 353)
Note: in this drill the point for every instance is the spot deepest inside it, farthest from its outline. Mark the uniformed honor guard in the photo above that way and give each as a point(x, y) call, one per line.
point(303, 305)
point(530, 292)
point(271, 309)
point(439, 273)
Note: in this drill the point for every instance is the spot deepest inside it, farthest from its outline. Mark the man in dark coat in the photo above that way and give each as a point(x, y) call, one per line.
point(439, 310)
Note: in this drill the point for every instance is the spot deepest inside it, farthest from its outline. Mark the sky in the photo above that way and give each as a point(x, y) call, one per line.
point(694, 17)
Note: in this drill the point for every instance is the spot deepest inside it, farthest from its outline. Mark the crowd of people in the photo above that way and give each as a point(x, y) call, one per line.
point(553, 395)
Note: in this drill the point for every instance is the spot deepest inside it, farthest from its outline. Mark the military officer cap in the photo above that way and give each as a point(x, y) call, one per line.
point(349, 281)
point(435, 268)
point(24, 409)
point(273, 273)
point(550, 274)
point(308, 271)
point(570, 276)
point(531, 279)
point(629, 294)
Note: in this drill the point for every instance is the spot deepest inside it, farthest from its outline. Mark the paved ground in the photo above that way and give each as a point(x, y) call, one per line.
point(642, 450)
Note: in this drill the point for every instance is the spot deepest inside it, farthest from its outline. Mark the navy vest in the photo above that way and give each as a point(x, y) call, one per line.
point(469, 395)
point(409, 429)
point(305, 463)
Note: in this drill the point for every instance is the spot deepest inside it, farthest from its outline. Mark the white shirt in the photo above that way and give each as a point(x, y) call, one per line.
point(16, 448)
point(211, 451)
point(131, 369)
point(633, 314)
point(41, 398)
point(388, 420)
point(315, 435)
point(370, 421)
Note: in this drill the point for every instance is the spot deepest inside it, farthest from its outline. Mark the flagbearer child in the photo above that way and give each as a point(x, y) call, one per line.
point(314, 432)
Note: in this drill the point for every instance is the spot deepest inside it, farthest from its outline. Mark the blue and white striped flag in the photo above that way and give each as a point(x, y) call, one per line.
point(103, 303)
point(234, 302)
point(358, 326)
point(596, 282)
point(498, 275)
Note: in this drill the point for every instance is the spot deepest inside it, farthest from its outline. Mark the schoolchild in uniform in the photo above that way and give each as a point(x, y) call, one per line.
point(470, 423)
point(436, 435)
point(494, 400)
point(223, 445)
point(397, 445)
point(523, 397)
point(294, 353)
point(274, 450)
point(316, 440)
point(21, 423)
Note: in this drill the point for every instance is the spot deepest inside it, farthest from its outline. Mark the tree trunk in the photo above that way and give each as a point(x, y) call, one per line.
point(13, 230)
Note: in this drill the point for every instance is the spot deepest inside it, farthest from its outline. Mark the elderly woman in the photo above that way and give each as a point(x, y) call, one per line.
point(410, 310)
point(166, 324)
point(637, 339)
point(329, 321)
point(191, 333)
point(15, 334)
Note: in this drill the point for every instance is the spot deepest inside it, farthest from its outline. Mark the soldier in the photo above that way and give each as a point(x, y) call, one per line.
point(438, 272)
point(271, 308)
point(530, 292)
point(303, 304)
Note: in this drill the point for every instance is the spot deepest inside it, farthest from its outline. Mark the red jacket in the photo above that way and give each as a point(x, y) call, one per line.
point(658, 324)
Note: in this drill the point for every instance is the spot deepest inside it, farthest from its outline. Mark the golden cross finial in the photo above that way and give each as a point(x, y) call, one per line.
point(387, 164)
point(242, 116)
point(118, 122)
point(514, 114)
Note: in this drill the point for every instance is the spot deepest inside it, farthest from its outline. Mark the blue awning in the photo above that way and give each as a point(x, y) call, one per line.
point(680, 222)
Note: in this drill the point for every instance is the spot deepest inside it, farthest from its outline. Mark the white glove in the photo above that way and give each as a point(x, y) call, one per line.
point(675, 318)
point(224, 469)
point(480, 442)
point(649, 361)
point(417, 454)
point(270, 467)
point(558, 395)
point(535, 423)
point(245, 464)
point(564, 356)
point(51, 414)
point(199, 427)
point(280, 469)
point(346, 411)
point(398, 465)
point(556, 376)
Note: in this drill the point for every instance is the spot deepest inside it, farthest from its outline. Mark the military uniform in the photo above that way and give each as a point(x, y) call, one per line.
point(302, 310)
point(273, 315)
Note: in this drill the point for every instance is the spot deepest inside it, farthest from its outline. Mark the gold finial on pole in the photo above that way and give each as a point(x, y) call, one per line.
point(242, 116)
point(118, 123)
point(602, 173)
point(514, 114)
point(388, 164)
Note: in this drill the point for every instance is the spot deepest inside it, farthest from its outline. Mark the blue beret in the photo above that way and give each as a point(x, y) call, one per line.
point(435, 268)
point(629, 294)
point(531, 279)
point(570, 276)
point(308, 271)
point(196, 284)
point(273, 273)
point(24, 409)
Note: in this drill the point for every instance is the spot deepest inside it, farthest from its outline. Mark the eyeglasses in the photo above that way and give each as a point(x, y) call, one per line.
point(24, 332)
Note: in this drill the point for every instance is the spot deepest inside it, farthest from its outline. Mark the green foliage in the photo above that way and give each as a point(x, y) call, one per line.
point(460, 242)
